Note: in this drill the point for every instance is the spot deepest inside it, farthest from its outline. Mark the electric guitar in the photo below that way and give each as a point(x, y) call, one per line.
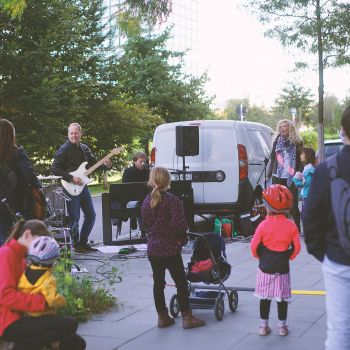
point(82, 173)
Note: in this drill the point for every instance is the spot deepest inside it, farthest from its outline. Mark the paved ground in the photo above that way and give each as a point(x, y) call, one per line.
point(132, 326)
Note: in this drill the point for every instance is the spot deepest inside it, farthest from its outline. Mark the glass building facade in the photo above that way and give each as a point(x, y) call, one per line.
point(184, 21)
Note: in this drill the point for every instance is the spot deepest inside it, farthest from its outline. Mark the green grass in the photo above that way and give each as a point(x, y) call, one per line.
point(96, 188)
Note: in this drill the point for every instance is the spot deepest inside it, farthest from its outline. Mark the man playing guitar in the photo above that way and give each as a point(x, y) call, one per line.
point(69, 158)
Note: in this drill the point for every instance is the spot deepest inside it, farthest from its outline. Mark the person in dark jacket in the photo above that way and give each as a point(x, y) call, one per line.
point(321, 238)
point(271, 244)
point(16, 177)
point(67, 159)
point(138, 172)
point(285, 161)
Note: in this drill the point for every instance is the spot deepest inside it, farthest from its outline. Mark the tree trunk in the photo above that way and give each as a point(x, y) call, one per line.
point(146, 144)
point(105, 182)
point(320, 84)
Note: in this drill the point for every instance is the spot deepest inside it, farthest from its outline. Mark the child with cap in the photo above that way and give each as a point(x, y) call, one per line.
point(38, 276)
point(275, 242)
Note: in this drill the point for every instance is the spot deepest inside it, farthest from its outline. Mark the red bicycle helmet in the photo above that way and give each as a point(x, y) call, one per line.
point(278, 197)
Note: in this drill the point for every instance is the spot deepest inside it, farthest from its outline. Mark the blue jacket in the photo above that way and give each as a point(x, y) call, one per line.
point(320, 229)
point(305, 183)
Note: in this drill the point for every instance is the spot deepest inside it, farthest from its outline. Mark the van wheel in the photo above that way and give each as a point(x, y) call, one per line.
point(174, 306)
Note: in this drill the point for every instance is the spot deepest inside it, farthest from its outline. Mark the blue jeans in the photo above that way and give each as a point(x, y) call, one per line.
point(84, 202)
point(337, 283)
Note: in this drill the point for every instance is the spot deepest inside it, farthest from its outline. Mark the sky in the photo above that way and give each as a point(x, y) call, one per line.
point(242, 63)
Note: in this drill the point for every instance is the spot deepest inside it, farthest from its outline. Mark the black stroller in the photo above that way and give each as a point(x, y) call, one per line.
point(208, 248)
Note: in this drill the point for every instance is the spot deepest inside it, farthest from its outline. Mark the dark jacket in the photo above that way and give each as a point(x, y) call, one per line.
point(134, 174)
point(22, 177)
point(69, 157)
point(273, 161)
point(320, 230)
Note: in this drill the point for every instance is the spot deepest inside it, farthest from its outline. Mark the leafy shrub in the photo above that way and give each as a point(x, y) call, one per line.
point(309, 138)
point(83, 298)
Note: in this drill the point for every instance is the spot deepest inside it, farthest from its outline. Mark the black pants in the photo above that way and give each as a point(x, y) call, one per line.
point(176, 268)
point(295, 208)
point(282, 309)
point(33, 333)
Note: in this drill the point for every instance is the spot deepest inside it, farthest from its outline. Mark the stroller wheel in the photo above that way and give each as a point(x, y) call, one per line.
point(219, 308)
point(233, 300)
point(174, 307)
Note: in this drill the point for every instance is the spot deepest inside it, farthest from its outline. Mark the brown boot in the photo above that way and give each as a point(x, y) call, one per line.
point(189, 321)
point(164, 320)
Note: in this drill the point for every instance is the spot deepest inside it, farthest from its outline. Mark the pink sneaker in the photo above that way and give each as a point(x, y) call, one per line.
point(264, 330)
point(283, 331)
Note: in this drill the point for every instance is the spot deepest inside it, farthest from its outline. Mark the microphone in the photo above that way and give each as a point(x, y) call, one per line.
point(146, 166)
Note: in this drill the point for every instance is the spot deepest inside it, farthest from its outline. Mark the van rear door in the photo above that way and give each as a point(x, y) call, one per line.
point(259, 149)
point(220, 162)
point(165, 144)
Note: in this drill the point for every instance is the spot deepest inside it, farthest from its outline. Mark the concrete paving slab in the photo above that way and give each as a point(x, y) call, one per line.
point(133, 325)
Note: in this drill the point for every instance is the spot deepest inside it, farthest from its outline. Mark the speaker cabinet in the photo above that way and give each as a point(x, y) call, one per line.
point(187, 140)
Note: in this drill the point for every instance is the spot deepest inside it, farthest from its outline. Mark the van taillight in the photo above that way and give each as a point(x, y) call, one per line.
point(153, 156)
point(242, 162)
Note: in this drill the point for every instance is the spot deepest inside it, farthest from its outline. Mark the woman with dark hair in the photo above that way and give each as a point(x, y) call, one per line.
point(16, 176)
point(30, 332)
point(285, 161)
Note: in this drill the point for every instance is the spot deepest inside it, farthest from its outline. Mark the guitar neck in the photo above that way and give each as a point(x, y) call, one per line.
point(98, 164)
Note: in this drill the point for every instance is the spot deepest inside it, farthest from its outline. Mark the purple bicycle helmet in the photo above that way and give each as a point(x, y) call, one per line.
point(44, 250)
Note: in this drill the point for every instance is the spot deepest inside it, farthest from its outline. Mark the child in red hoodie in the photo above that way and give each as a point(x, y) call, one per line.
point(275, 242)
point(29, 332)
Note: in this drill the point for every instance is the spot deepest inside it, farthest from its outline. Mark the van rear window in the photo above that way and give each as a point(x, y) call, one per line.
point(258, 146)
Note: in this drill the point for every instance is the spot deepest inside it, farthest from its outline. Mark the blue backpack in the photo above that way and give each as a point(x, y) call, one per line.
point(340, 195)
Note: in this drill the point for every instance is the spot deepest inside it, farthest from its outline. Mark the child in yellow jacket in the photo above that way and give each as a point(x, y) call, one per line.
point(38, 276)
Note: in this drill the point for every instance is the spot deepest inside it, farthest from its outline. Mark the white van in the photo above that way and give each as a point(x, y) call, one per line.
point(230, 165)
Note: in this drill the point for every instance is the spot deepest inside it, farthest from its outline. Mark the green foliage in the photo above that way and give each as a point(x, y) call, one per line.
point(294, 23)
point(83, 298)
point(150, 10)
point(53, 70)
point(151, 74)
point(254, 113)
point(297, 97)
point(309, 138)
point(14, 8)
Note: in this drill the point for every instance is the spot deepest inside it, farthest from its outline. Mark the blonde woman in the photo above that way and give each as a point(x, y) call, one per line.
point(164, 220)
point(285, 161)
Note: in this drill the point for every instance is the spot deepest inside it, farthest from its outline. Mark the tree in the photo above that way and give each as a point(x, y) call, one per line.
point(55, 69)
point(14, 8)
point(231, 105)
point(151, 10)
point(320, 27)
point(294, 96)
point(149, 73)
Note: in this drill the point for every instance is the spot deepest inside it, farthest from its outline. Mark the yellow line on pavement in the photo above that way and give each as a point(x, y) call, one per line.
point(309, 292)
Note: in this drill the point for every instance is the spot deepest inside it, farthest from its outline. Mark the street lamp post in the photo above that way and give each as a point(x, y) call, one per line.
point(293, 112)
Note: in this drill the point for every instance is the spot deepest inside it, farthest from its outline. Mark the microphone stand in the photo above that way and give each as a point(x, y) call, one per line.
point(266, 162)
